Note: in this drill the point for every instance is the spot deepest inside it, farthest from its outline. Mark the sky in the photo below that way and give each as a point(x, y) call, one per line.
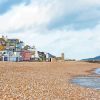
point(55, 26)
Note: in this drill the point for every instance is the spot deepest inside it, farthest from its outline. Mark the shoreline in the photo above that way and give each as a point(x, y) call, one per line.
point(90, 81)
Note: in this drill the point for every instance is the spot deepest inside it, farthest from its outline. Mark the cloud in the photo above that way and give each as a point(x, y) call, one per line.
point(24, 17)
point(50, 14)
point(77, 43)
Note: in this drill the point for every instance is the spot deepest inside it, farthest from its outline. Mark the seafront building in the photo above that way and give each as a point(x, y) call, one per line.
point(15, 50)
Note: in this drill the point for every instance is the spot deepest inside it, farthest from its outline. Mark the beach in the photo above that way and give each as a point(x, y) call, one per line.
point(45, 81)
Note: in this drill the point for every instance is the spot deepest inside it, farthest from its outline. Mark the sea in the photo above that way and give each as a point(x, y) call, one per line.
point(90, 81)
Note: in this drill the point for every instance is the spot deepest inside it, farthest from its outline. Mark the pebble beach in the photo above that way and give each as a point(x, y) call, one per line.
point(45, 81)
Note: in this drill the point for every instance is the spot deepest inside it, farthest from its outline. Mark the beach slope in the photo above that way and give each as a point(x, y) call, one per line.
point(44, 81)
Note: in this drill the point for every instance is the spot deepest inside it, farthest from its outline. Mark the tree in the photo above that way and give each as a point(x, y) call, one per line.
point(26, 47)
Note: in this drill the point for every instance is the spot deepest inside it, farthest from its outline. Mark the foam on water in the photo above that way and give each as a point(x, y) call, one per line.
point(89, 82)
point(97, 71)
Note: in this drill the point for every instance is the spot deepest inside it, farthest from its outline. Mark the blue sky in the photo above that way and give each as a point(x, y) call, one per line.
point(54, 26)
point(6, 5)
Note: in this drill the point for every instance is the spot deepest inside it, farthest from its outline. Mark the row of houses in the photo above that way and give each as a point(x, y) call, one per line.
point(15, 50)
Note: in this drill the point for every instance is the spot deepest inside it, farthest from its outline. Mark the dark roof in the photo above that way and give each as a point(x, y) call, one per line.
point(50, 55)
point(13, 40)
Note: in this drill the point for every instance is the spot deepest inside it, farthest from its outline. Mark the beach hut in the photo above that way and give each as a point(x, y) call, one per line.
point(50, 57)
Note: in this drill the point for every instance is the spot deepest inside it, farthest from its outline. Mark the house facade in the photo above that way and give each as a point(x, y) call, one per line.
point(26, 55)
point(15, 51)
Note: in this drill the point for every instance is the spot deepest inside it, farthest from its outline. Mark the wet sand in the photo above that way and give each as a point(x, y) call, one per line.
point(45, 81)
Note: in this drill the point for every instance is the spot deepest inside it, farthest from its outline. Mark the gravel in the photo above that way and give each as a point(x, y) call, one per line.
point(44, 81)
